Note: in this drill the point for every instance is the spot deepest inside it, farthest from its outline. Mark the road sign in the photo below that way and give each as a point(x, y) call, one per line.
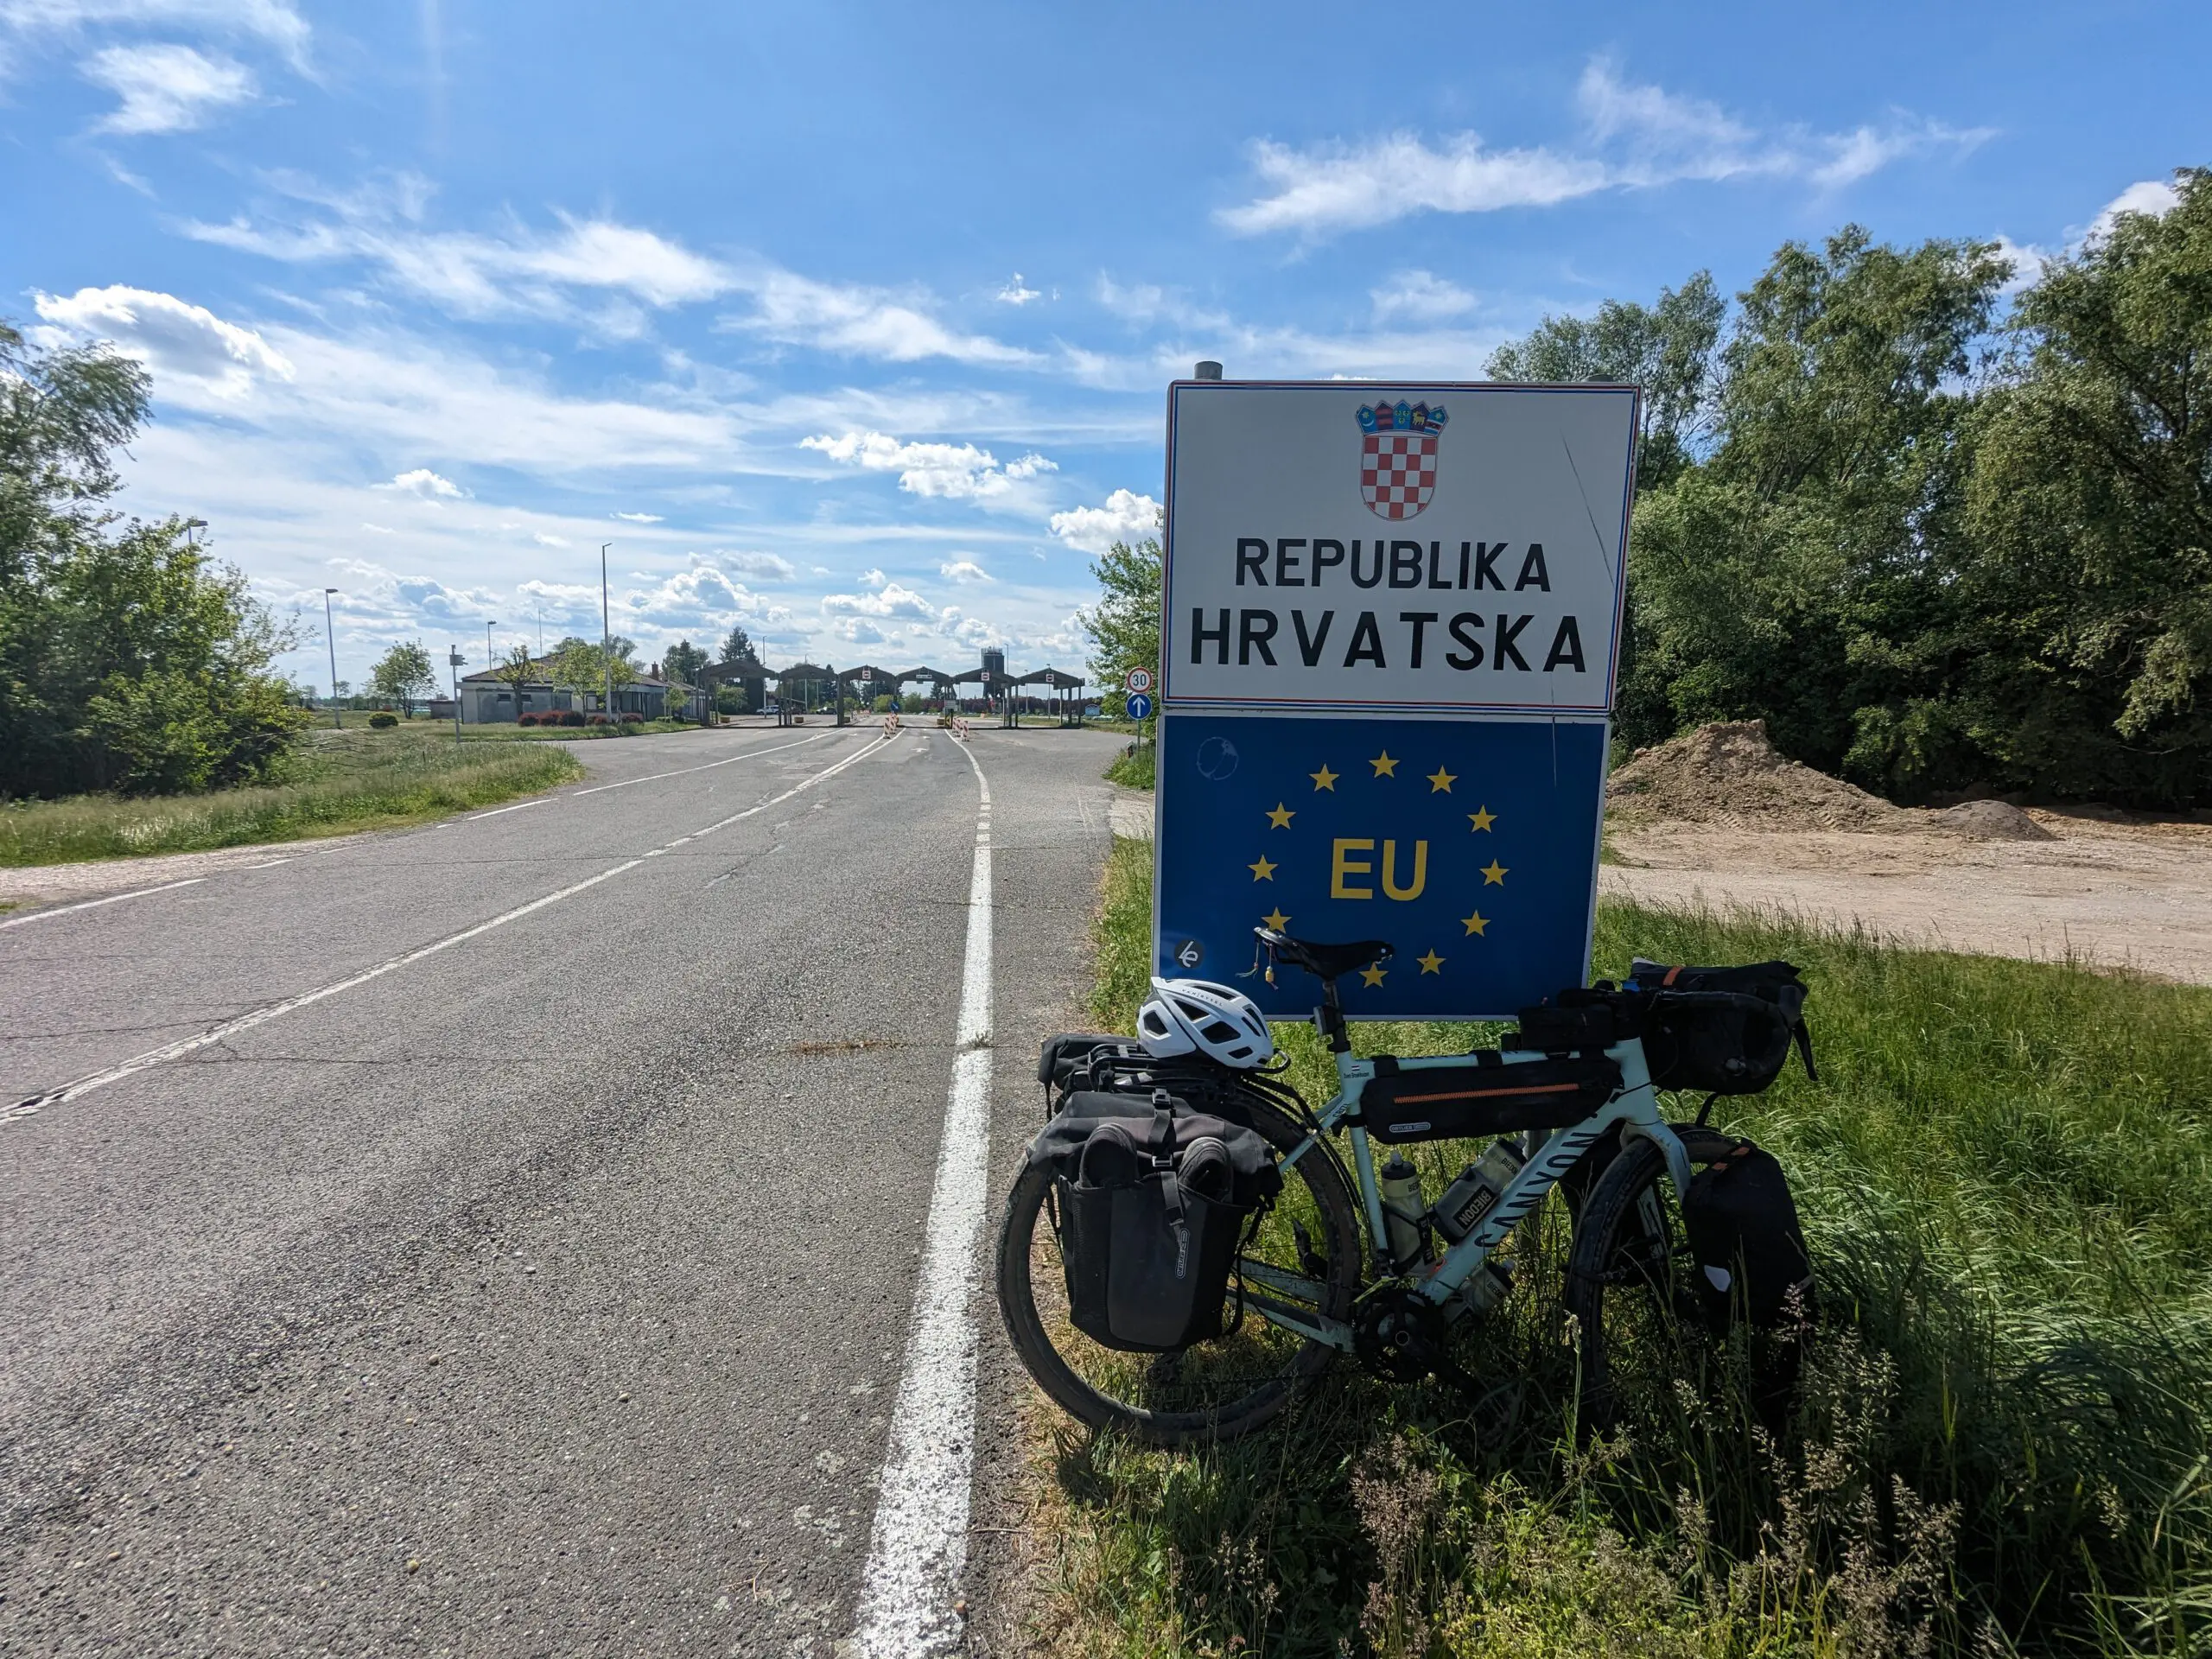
point(1137, 679)
point(1470, 845)
point(1398, 548)
point(1139, 705)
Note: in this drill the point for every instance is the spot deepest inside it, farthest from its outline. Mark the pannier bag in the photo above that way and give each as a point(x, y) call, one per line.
point(1153, 1211)
point(1488, 1096)
point(1746, 1239)
point(1731, 1047)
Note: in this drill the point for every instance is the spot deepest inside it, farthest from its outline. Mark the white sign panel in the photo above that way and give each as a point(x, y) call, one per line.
point(1391, 546)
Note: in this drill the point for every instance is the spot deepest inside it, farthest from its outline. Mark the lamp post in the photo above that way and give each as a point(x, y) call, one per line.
point(491, 663)
point(330, 638)
point(453, 664)
point(606, 632)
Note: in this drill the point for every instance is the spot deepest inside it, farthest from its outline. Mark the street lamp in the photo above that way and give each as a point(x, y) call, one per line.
point(330, 638)
point(606, 632)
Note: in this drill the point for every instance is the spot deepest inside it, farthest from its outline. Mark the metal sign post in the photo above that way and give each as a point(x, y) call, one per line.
point(1387, 660)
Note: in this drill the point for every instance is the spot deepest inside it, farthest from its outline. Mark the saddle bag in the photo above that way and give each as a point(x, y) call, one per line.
point(1736, 1043)
point(1745, 1237)
point(1486, 1096)
point(1151, 1211)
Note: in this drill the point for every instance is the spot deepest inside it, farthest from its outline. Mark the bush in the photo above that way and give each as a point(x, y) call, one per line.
point(572, 717)
point(634, 718)
point(383, 722)
point(600, 720)
point(525, 719)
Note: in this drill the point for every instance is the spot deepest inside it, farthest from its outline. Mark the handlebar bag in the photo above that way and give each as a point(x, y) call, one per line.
point(1746, 1240)
point(1150, 1212)
point(1486, 1096)
point(1732, 1031)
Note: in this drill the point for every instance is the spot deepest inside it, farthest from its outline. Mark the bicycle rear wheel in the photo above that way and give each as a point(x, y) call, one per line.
point(1212, 1390)
point(1628, 1281)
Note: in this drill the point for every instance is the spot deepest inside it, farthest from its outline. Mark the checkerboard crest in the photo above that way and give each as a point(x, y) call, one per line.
point(1397, 456)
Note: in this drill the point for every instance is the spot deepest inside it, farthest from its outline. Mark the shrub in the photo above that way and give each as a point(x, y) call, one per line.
point(525, 719)
point(382, 721)
point(634, 718)
point(572, 716)
point(600, 720)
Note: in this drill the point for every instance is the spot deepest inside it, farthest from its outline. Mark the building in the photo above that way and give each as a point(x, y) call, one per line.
point(488, 700)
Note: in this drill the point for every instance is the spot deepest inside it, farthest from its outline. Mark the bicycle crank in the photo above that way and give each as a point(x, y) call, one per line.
point(1399, 1333)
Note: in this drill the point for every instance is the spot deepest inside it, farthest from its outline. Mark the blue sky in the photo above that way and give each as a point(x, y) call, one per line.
point(852, 323)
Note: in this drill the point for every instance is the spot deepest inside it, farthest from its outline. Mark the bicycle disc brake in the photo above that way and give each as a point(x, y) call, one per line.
point(1398, 1333)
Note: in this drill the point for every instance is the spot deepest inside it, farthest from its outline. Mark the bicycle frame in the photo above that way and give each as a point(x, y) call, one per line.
point(1634, 1109)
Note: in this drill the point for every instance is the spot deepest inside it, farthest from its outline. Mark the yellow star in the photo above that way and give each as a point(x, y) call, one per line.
point(1432, 963)
point(1281, 817)
point(1372, 973)
point(1441, 782)
point(1384, 765)
point(1494, 873)
point(1476, 923)
point(1276, 919)
point(1262, 871)
point(1324, 778)
point(1482, 819)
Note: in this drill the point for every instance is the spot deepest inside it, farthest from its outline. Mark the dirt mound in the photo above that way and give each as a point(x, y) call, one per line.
point(1729, 773)
point(1991, 821)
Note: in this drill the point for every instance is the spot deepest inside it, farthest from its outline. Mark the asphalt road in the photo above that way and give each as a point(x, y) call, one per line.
point(542, 1287)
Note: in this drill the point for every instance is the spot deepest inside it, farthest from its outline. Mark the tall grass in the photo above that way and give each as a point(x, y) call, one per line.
point(2002, 1442)
point(344, 780)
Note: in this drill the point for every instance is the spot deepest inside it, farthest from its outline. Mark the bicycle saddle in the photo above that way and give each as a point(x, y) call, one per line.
point(1322, 961)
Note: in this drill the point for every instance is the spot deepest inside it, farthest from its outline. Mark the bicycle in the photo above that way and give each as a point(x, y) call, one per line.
point(1319, 1274)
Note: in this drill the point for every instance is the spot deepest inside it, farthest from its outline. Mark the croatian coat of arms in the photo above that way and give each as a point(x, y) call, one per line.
point(1397, 456)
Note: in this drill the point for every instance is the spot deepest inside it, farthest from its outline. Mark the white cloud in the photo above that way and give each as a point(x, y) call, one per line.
point(1422, 297)
point(1014, 294)
point(859, 321)
point(164, 87)
point(762, 566)
point(172, 337)
point(954, 471)
point(870, 578)
point(856, 631)
point(543, 539)
point(275, 23)
point(639, 517)
point(370, 594)
point(426, 484)
point(1640, 136)
point(702, 597)
point(2153, 196)
point(1126, 516)
point(963, 570)
point(891, 600)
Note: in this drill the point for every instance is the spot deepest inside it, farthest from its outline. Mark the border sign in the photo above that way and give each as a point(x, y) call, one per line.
point(1389, 642)
point(1405, 547)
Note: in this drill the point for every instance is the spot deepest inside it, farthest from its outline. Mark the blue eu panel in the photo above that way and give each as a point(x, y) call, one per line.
point(1470, 845)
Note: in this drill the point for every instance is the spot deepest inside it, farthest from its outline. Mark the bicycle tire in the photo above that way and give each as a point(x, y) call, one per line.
point(1074, 1383)
point(1628, 1274)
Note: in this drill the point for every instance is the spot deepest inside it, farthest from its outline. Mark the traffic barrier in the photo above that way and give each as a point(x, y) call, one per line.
point(891, 724)
point(960, 729)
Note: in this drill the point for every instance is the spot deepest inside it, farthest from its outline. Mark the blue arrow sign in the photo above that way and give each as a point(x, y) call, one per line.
point(1139, 704)
point(1471, 845)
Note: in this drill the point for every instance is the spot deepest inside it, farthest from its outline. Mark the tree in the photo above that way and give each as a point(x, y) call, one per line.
point(404, 674)
point(517, 669)
point(738, 646)
point(128, 660)
point(1124, 626)
point(2093, 510)
point(582, 666)
point(683, 661)
point(1667, 349)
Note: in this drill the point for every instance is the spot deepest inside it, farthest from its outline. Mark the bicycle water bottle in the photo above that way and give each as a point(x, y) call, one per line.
point(1470, 1197)
point(1399, 1184)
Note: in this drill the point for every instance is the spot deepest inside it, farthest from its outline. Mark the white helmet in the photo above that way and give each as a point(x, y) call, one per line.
point(1183, 1016)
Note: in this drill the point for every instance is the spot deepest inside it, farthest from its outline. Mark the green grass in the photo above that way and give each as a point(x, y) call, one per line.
point(2004, 1439)
point(356, 778)
point(1134, 770)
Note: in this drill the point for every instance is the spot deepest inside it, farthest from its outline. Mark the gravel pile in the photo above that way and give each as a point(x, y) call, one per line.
point(1729, 773)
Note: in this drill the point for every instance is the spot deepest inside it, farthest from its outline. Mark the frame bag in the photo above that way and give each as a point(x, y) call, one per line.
point(1484, 1096)
point(1746, 1239)
point(1151, 1214)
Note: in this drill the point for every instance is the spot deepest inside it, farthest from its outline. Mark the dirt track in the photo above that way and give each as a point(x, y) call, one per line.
point(2137, 895)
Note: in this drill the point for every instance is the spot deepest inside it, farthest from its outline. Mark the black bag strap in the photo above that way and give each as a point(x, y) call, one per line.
point(1803, 1033)
point(1163, 1164)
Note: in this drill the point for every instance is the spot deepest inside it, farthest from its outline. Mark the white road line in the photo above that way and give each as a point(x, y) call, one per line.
point(94, 904)
point(920, 1543)
point(139, 1063)
point(517, 807)
point(728, 760)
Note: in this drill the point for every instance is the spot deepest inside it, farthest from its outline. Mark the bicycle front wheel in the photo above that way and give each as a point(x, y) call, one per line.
point(1628, 1282)
point(1212, 1390)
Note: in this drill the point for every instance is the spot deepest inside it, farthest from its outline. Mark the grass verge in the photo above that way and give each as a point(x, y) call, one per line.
point(1134, 767)
point(2003, 1438)
point(339, 781)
